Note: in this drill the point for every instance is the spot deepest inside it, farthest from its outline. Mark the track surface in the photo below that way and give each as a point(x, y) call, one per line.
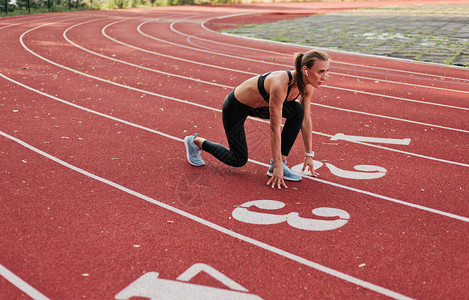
point(96, 190)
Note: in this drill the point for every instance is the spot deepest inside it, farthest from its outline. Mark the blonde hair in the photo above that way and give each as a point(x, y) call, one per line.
point(306, 59)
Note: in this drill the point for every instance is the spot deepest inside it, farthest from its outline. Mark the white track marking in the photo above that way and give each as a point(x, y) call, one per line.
point(390, 118)
point(196, 269)
point(386, 198)
point(20, 283)
point(262, 245)
point(131, 64)
point(434, 77)
point(35, 20)
point(397, 98)
point(287, 66)
point(164, 55)
point(171, 26)
point(327, 106)
point(217, 84)
point(93, 111)
point(399, 151)
point(341, 74)
point(211, 108)
point(346, 137)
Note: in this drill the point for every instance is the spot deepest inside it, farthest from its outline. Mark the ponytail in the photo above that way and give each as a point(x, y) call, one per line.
point(298, 75)
point(306, 59)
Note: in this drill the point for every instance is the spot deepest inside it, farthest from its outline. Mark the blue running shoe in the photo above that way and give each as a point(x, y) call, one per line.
point(193, 151)
point(287, 173)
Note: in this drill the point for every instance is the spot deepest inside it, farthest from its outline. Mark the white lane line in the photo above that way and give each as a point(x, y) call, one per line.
point(276, 64)
point(400, 151)
point(223, 230)
point(131, 64)
point(20, 283)
point(336, 61)
point(362, 67)
point(92, 111)
point(397, 98)
point(225, 86)
point(282, 65)
point(206, 107)
point(222, 85)
point(386, 198)
point(346, 137)
point(390, 118)
point(103, 31)
point(393, 200)
point(31, 21)
point(316, 104)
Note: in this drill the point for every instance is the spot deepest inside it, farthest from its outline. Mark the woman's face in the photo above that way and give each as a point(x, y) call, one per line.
point(317, 73)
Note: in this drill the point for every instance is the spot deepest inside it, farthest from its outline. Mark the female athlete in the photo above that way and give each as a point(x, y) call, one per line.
point(271, 96)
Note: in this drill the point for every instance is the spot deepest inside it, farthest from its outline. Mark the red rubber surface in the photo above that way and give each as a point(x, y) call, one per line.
point(96, 190)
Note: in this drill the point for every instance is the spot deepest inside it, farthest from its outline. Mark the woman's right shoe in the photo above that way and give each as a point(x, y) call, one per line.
point(287, 173)
point(193, 151)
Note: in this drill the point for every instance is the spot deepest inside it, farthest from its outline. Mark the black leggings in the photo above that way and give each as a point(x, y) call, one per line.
point(234, 115)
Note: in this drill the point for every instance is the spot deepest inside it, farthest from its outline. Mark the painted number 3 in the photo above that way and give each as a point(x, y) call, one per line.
point(337, 217)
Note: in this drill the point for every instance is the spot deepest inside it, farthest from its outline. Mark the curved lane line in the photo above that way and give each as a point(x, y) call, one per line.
point(211, 108)
point(287, 66)
point(336, 73)
point(131, 64)
point(221, 85)
point(164, 55)
point(326, 86)
point(31, 21)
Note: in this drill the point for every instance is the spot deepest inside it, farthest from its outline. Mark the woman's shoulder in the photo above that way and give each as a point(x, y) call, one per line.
point(279, 77)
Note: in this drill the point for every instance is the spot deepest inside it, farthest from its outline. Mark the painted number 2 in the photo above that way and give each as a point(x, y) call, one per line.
point(362, 171)
point(243, 214)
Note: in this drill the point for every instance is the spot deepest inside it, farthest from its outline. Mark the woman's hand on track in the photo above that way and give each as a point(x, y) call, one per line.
point(277, 179)
point(309, 165)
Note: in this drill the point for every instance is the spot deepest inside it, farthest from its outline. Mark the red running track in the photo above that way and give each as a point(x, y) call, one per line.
point(99, 201)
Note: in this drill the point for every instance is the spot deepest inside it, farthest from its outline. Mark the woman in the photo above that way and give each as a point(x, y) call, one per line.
point(269, 96)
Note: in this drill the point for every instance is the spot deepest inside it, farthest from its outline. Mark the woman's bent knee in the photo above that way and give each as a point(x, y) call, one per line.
point(239, 162)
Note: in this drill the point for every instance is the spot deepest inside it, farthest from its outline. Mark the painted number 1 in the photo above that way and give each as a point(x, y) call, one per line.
point(361, 171)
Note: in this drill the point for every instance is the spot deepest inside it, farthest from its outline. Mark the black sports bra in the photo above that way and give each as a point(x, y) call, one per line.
point(261, 88)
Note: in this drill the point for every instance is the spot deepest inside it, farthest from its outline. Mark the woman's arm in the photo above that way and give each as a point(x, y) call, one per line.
point(307, 130)
point(277, 95)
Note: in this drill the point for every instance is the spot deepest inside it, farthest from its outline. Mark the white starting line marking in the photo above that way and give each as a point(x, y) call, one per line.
point(21, 284)
point(374, 140)
point(150, 286)
point(199, 267)
point(223, 230)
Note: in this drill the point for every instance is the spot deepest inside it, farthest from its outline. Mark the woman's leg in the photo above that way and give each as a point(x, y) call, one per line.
point(234, 115)
point(293, 112)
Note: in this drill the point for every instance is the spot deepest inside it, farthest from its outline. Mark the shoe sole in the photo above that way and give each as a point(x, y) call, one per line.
point(186, 144)
point(285, 178)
